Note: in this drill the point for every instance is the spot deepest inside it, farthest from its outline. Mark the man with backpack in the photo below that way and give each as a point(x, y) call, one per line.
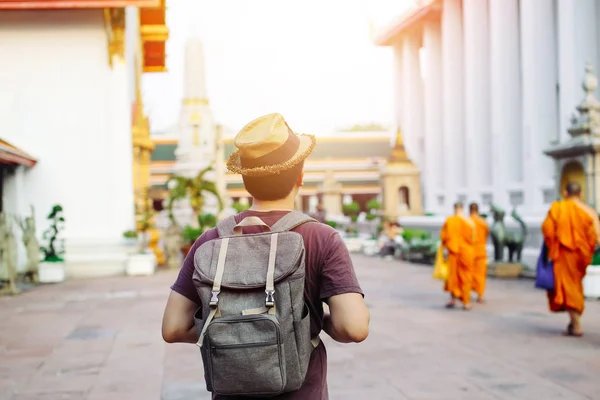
point(250, 293)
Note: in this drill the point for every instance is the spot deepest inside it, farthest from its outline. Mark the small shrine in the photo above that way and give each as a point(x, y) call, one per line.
point(578, 159)
point(401, 181)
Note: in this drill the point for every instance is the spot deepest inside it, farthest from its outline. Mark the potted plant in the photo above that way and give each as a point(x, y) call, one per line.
point(195, 189)
point(52, 266)
point(143, 261)
point(131, 238)
point(351, 210)
point(591, 282)
point(373, 209)
point(189, 234)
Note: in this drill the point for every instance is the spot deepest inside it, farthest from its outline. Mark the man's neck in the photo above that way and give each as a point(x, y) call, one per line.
point(277, 205)
point(473, 215)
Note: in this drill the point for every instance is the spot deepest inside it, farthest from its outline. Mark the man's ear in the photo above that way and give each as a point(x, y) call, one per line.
point(300, 181)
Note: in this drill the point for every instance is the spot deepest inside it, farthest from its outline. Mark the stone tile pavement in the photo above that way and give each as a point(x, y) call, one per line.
point(100, 339)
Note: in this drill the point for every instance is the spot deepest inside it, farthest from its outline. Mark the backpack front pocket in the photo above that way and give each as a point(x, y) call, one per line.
point(245, 356)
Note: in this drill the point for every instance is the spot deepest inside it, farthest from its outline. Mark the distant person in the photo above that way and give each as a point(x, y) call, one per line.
point(458, 234)
point(389, 239)
point(320, 215)
point(270, 157)
point(571, 232)
point(482, 231)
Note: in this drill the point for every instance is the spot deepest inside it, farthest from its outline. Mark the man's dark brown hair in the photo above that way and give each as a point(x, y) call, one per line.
point(458, 205)
point(473, 208)
point(573, 189)
point(273, 187)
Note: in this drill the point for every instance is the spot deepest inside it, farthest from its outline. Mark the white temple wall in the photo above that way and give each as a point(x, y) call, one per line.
point(61, 101)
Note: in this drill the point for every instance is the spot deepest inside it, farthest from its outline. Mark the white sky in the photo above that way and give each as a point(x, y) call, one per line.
point(311, 60)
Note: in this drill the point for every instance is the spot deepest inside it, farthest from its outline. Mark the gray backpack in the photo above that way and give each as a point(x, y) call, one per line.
point(254, 325)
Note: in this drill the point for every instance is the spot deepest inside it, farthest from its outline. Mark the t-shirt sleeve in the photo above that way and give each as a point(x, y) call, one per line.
point(337, 271)
point(184, 284)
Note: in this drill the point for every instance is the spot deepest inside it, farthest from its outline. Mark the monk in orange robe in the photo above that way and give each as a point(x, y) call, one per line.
point(571, 233)
point(457, 237)
point(482, 231)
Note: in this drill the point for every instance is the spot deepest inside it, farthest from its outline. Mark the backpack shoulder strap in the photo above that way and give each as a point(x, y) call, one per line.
point(291, 221)
point(225, 227)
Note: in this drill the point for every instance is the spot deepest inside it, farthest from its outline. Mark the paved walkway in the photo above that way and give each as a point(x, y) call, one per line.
point(100, 339)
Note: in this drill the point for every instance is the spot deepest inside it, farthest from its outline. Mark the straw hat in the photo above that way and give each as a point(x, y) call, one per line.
point(267, 146)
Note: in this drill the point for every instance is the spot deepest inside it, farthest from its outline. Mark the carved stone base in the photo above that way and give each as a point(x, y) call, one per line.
point(505, 270)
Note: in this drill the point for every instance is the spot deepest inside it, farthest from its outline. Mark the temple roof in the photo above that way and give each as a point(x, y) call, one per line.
point(12, 155)
point(399, 154)
point(325, 149)
point(69, 4)
point(422, 9)
point(154, 33)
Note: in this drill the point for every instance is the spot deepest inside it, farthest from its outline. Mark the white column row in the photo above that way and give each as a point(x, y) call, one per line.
point(502, 79)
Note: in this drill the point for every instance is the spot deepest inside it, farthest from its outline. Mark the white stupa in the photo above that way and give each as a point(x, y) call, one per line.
point(199, 144)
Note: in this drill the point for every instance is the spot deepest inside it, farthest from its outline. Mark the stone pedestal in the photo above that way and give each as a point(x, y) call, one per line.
point(332, 195)
point(505, 270)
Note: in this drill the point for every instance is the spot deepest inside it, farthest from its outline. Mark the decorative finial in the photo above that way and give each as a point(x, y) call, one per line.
point(588, 120)
point(590, 83)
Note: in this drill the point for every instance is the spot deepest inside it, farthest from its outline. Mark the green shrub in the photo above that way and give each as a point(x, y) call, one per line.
point(411, 234)
point(332, 224)
point(239, 207)
point(373, 204)
point(189, 234)
point(130, 234)
point(371, 217)
point(55, 249)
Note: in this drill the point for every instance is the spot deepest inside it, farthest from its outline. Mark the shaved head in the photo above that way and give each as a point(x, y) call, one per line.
point(473, 208)
point(458, 207)
point(573, 189)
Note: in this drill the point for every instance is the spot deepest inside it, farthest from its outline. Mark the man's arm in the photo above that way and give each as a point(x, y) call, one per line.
point(178, 320)
point(348, 320)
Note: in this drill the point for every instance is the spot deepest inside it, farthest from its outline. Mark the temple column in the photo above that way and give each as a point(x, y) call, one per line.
point(412, 94)
point(476, 145)
point(567, 73)
point(121, 156)
point(432, 107)
point(507, 158)
point(454, 167)
point(540, 100)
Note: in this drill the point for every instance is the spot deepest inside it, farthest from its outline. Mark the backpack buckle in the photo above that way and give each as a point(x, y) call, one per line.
point(214, 300)
point(270, 300)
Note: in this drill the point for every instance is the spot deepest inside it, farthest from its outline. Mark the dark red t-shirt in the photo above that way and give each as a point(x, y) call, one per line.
point(329, 272)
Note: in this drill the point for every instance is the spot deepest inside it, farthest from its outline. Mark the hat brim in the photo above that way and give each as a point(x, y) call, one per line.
point(307, 145)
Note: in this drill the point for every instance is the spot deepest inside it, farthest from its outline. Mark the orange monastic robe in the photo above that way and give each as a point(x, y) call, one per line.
point(480, 263)
point(457, 237)
point(569, 232)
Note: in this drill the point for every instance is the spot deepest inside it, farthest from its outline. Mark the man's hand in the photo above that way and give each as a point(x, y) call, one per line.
point(178, 320)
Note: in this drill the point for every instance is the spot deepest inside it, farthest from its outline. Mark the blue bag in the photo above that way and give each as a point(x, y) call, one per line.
point(544, 277)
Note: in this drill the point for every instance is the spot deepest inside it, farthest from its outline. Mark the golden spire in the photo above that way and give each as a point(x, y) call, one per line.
point(399, 155)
